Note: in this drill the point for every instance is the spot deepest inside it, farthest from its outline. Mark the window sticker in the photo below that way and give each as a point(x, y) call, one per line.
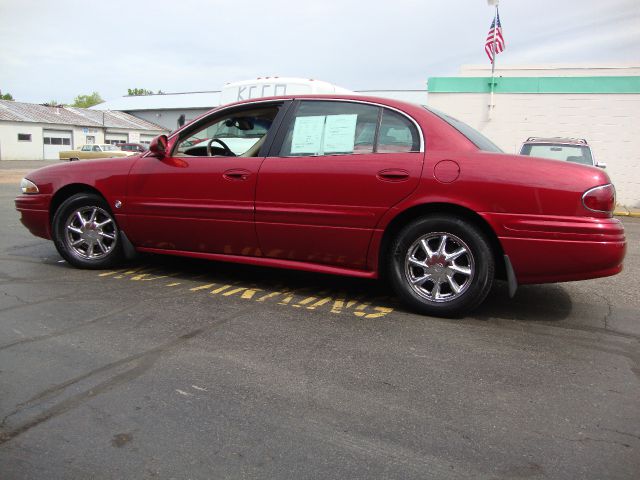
point(340, 133)
point(307, 135)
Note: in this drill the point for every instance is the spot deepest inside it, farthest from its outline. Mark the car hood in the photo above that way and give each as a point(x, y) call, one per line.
point(93, 168)
point(99, 173)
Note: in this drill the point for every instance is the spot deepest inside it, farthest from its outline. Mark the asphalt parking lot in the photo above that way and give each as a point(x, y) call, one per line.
point(170, 368)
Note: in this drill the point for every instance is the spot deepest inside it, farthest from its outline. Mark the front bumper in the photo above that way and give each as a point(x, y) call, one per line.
point(34, 214)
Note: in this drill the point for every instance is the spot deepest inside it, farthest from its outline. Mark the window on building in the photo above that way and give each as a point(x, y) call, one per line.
point(57, 141)
point(24, 137)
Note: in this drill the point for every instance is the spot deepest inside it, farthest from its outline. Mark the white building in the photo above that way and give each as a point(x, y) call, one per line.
point(36, 132)
point(599, 104)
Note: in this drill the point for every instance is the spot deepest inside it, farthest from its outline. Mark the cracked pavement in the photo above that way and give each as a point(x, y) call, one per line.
point(150, 376)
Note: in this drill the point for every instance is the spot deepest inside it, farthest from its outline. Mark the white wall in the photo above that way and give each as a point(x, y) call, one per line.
point(609, 122)
point(80, 135)
point(12, 149)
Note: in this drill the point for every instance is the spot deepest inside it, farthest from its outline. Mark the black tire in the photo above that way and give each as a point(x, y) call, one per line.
point(74, 159)
point(471, 272)
point(86, 233)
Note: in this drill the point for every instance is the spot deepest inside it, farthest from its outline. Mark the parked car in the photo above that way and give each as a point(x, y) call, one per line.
point(133, 147)
point(347, 185)
point(92, 151)
point(575, 150)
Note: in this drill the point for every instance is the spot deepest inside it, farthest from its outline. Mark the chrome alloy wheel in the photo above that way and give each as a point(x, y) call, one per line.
point(91, 232)
point(439, 267)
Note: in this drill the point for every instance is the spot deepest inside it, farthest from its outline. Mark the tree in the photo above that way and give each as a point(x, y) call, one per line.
point(86, 101)
point(138, 91)
point(6, 96)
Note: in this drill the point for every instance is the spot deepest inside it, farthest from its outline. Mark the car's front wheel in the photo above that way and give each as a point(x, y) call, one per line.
point(85, 232)
point(441, 265)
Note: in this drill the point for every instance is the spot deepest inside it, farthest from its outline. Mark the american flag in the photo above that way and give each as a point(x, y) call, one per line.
point(499, 40)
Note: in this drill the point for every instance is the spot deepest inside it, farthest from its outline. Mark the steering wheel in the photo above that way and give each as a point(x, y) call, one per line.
point(227, 150)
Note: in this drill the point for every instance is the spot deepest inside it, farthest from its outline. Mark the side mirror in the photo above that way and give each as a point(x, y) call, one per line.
point(601, 165)
point(158, 146)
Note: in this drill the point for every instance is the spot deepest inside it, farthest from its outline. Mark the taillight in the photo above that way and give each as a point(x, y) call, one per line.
point(600, 199)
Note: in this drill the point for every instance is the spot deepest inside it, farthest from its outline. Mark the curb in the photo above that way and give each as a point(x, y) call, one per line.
point(626, 213)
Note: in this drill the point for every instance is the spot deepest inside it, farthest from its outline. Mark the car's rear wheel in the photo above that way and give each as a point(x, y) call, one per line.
point(86, 233)
point(441, 266)
point(74, 159)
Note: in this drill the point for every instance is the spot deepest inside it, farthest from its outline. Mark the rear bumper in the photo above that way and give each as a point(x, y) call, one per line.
point(34, 214)
point(560, 249)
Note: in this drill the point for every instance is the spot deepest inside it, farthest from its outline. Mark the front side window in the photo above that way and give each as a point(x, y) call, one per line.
point(234, 134)
point(86, 148)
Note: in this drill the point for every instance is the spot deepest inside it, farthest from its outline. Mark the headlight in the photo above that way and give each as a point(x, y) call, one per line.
point(27, 186)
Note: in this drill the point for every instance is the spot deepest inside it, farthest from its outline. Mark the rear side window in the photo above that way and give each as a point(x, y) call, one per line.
point(331, 128)
point(397, 134)
point(342, 128)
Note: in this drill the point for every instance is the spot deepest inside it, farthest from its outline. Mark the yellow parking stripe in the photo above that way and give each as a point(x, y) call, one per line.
point(339, 303)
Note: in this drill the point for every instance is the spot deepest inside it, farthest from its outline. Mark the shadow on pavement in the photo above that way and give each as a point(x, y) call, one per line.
point(532, 303)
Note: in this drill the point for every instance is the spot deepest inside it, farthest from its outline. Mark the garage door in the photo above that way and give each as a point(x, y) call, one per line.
point(54, 142)
point(146, 139)
point(115, 138)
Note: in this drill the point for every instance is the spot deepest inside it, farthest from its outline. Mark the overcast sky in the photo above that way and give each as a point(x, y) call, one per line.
point(57, 49)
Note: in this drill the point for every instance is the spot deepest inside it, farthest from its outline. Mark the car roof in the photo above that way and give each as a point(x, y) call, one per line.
point(563, 140)
point(399, 104)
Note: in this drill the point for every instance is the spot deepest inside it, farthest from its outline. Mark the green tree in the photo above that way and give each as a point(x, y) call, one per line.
point(139, 91)
point(86, 101)
point(6, 96)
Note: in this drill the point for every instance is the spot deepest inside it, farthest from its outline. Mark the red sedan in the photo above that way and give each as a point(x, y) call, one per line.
point(347, 185)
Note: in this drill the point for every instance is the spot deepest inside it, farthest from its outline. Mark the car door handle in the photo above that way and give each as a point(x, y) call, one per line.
point(393, 175)
point(236, 174)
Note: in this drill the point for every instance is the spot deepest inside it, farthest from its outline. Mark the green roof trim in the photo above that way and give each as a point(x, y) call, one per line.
point(628, 84)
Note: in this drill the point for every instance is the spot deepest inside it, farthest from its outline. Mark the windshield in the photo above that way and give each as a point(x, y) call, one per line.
point(569, 153)
point(474, 136)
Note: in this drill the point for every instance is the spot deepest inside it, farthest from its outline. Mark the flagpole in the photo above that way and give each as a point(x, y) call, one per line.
point(493, 59)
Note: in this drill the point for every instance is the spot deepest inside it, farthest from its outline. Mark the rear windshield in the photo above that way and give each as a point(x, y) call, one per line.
point(474, 136)
point(569, 153)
